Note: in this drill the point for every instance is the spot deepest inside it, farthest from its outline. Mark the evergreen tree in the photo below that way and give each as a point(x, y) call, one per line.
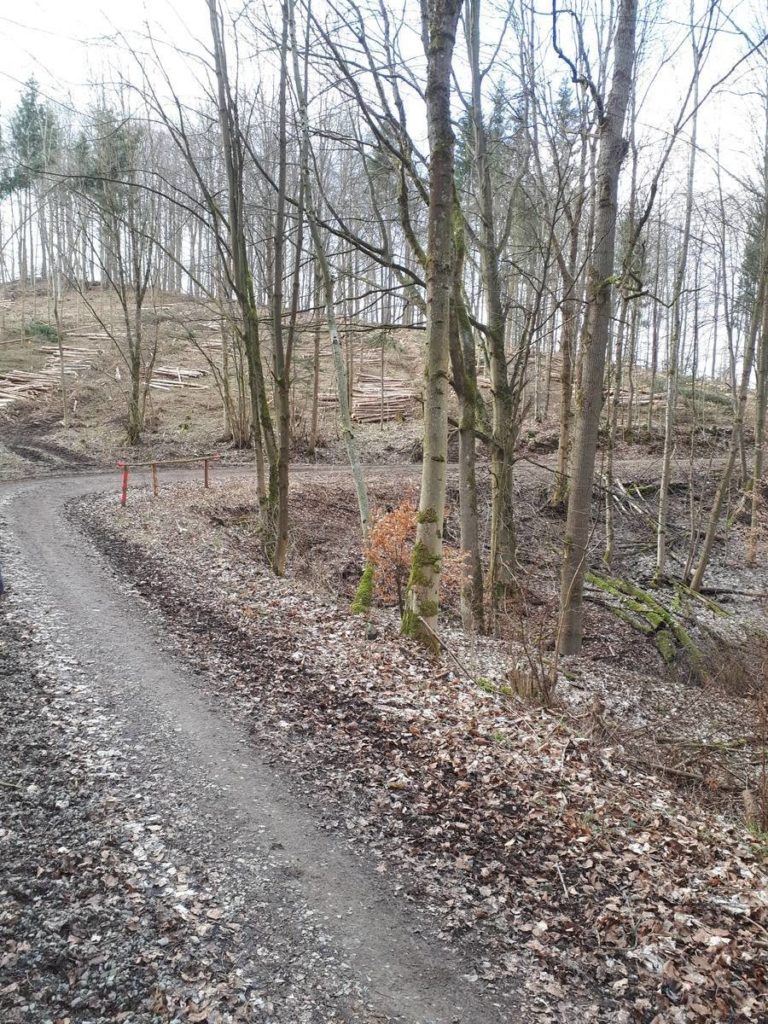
point(35, 138)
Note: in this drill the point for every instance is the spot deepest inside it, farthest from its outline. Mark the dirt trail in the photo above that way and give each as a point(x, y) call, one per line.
point(201, 766)
point(250, 820)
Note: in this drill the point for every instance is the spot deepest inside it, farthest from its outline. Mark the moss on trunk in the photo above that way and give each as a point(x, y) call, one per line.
point(364, 594)
point(646, 614)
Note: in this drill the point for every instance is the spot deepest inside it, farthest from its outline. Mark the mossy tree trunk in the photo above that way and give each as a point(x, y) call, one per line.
point(439, 21)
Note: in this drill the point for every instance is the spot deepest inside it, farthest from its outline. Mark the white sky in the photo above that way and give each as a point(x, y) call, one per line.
point(64, 44)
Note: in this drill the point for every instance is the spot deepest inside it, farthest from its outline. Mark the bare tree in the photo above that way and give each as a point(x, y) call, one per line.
point(119, 227)
point(439, 20)
point(274, 500)
point(600, 280)
point(673, 349)
point(753, 333)
point(323, 265)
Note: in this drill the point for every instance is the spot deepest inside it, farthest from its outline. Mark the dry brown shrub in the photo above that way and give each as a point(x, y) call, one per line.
point(390, 547)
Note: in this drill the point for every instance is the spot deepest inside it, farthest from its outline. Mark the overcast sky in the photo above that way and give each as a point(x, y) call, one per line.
point(63, 43)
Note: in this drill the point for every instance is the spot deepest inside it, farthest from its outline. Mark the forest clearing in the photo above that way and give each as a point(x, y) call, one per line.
point(383, 524)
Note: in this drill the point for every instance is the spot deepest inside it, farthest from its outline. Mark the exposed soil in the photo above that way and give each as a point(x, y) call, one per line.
point(27, 437)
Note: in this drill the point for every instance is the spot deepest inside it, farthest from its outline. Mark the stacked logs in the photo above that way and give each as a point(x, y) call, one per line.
point(17, 385)
point(375, 401)
point(166, 378)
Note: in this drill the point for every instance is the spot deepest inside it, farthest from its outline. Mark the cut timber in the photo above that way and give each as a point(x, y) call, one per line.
point(166, 378)
point(74, 349)
point(375, 400)
point(179, 371)
point(24, 384)
point(372, 403)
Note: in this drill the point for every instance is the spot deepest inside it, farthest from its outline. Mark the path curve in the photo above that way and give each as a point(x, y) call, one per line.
point(210, 761)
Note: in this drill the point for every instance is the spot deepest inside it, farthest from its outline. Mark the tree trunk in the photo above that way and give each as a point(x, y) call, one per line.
point(673, 354)
point(313, 428)
point(280, 355)
point(761, 403)
point(738, 421)
point(261, 418)
point(502, 556)
point(613, 427)
point(589, 400)
point(439, 20)
point(58, 320)
point(568, 335)
point(629, 423)
point(761, 396)
point(326, 276)
point(464, 367)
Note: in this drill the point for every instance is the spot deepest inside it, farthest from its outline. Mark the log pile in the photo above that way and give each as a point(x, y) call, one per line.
point(16, 385)
point(371, 402)
point(398, 400)
point(76, 360)
point(327, 399)
point(643, 398)
point(166, 378)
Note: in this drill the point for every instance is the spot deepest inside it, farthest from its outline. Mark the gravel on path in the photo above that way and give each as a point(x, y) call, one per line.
point(154, 868)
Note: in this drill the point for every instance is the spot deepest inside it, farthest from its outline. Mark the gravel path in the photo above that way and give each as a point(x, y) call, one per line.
point(155, 864)
point(115, 749)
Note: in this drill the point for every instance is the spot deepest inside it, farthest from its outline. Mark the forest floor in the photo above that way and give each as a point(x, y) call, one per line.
point(227, 798)
point(557, 872)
